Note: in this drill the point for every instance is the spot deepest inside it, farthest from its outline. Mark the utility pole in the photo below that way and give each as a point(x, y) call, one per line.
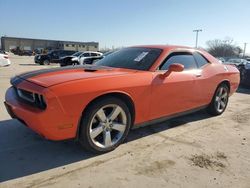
point(197, 35)
point(244, 52)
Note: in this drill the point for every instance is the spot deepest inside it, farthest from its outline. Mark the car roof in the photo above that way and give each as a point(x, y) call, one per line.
point(164, 47)
point(92, 52)
point(167, 49)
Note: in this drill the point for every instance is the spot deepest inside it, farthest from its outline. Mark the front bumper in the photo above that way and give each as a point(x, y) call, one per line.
point(52, 123)
point(5, 63)
point(38, 61)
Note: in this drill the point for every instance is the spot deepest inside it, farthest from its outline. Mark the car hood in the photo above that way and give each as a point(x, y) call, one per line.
point(75, 58)
point(67, 56)
point(42, 54)
point(55, 76)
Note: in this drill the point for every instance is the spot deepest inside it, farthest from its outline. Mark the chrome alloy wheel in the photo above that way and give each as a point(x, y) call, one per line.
point(221, 99)
point(108, 125)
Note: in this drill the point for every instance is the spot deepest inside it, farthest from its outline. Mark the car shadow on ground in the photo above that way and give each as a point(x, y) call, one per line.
point(28, 64)
point(243, 89)
point(23, 152)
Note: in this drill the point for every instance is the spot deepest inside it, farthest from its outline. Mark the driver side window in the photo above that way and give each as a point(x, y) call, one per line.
point(86, 55)
point(183, 58)
point(55, 54)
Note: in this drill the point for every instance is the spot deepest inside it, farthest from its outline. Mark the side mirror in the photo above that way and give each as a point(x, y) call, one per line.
point(175, 67)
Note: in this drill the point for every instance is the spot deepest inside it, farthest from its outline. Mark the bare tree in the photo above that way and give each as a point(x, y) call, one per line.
point(223, 48)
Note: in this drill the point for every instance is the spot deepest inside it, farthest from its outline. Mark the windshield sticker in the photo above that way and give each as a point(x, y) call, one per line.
point(141, 56)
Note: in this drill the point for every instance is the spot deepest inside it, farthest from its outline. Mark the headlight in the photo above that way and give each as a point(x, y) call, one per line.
point(26, 95)
point(247, 66)
point(74, 59)
point(32, 98)
point(40, 101)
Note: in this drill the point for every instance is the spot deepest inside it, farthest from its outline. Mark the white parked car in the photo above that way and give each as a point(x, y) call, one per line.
point(4, 59)
point(86, 55)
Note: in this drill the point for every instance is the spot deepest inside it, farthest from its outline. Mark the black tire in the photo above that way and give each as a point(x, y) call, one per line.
point(46, 62)
point(214, 107)
point(75, 63)
point(87, 123)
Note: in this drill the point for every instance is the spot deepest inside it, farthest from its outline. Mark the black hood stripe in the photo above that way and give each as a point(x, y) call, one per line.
point(44, 71)
point(18, 79)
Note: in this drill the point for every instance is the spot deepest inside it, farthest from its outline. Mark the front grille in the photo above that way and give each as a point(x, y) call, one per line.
point(31, 98)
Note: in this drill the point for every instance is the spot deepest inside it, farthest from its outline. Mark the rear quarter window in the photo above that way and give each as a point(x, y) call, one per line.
point(201, 61)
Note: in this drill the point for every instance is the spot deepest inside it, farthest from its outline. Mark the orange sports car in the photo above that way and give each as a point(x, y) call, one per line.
point(98, 104)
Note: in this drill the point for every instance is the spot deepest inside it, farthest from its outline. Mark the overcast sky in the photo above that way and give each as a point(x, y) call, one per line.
point(127, 22)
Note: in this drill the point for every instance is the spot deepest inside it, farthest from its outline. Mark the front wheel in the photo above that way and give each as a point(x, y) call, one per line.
point(75, 63)
point(46, 62)
point(105, 125)
point(219, 101)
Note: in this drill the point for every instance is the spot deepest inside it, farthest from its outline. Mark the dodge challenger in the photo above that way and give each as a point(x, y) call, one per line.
point(140, 85)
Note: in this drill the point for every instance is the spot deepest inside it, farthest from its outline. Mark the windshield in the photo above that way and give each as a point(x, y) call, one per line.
point(51, 52)
point(131, 58)
point(108, 53)
point(77, 54)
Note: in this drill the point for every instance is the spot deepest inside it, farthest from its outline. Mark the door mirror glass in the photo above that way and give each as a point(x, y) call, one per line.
point(175, 67)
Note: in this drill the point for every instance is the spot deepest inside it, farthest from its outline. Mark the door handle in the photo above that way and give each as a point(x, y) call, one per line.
point(198, 75)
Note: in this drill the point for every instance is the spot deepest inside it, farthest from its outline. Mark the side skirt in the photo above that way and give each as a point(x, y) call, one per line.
point(165, 118)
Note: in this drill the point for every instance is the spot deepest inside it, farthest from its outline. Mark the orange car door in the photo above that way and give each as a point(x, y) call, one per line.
point(205, 79)
point(176, 92)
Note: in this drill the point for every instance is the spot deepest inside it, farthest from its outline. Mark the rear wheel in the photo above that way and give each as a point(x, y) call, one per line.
point(105, 125)
point(219, 101)
point(75, 63)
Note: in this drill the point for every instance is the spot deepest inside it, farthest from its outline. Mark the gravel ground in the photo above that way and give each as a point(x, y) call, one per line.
point(196, 150)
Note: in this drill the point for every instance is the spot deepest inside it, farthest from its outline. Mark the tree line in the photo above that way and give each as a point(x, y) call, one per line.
point(224, 48)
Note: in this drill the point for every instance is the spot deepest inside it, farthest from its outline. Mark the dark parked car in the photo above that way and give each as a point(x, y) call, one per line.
point(237, 61)
point(244, 68)
point(52, 57)
point(20, 52)
point(245, 75)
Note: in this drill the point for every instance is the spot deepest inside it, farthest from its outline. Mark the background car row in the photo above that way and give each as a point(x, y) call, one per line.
point(67, 57)
point(244, 67)
point(4, 59)
point(80, 58)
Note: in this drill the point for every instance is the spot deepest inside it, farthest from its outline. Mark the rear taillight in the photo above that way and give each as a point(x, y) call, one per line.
point(6, 57)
